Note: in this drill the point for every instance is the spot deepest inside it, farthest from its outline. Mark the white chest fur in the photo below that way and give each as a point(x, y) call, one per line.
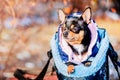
point(79, 48)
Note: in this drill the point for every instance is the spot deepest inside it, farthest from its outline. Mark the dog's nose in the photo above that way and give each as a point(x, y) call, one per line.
point(65, 33)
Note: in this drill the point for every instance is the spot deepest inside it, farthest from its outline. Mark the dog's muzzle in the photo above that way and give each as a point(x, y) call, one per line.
point(65, 33)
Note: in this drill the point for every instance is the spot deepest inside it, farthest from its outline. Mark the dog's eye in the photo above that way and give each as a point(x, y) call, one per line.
point(63, 29)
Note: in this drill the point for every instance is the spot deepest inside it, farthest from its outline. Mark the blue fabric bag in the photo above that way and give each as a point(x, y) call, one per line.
point(98, 70)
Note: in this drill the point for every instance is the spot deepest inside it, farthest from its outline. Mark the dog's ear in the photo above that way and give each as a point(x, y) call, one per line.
point(61, 15)
point(87, 13)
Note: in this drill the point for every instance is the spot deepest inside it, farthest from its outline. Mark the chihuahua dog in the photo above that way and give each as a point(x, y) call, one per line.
point(76, 32)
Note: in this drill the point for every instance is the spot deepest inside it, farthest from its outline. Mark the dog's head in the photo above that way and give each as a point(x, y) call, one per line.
point(75, 27)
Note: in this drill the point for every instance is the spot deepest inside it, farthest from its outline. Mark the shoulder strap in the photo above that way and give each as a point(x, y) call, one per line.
point(43, 72)
point(19, 73)
point(114, 58)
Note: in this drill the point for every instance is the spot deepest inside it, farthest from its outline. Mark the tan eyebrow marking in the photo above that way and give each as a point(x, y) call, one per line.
point(72, 26)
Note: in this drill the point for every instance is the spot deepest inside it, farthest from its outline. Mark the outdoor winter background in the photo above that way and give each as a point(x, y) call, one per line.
point(27, 26)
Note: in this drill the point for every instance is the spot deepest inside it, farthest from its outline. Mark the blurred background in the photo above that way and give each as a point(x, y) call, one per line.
point(27, 26)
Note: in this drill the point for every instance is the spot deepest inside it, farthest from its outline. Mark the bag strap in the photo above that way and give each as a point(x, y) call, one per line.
point(114, 58)
point(19, 73)
point(43, 72)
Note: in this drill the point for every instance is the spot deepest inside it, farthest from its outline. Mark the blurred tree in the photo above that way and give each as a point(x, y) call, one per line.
point(75, 5)
point(116, 6)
